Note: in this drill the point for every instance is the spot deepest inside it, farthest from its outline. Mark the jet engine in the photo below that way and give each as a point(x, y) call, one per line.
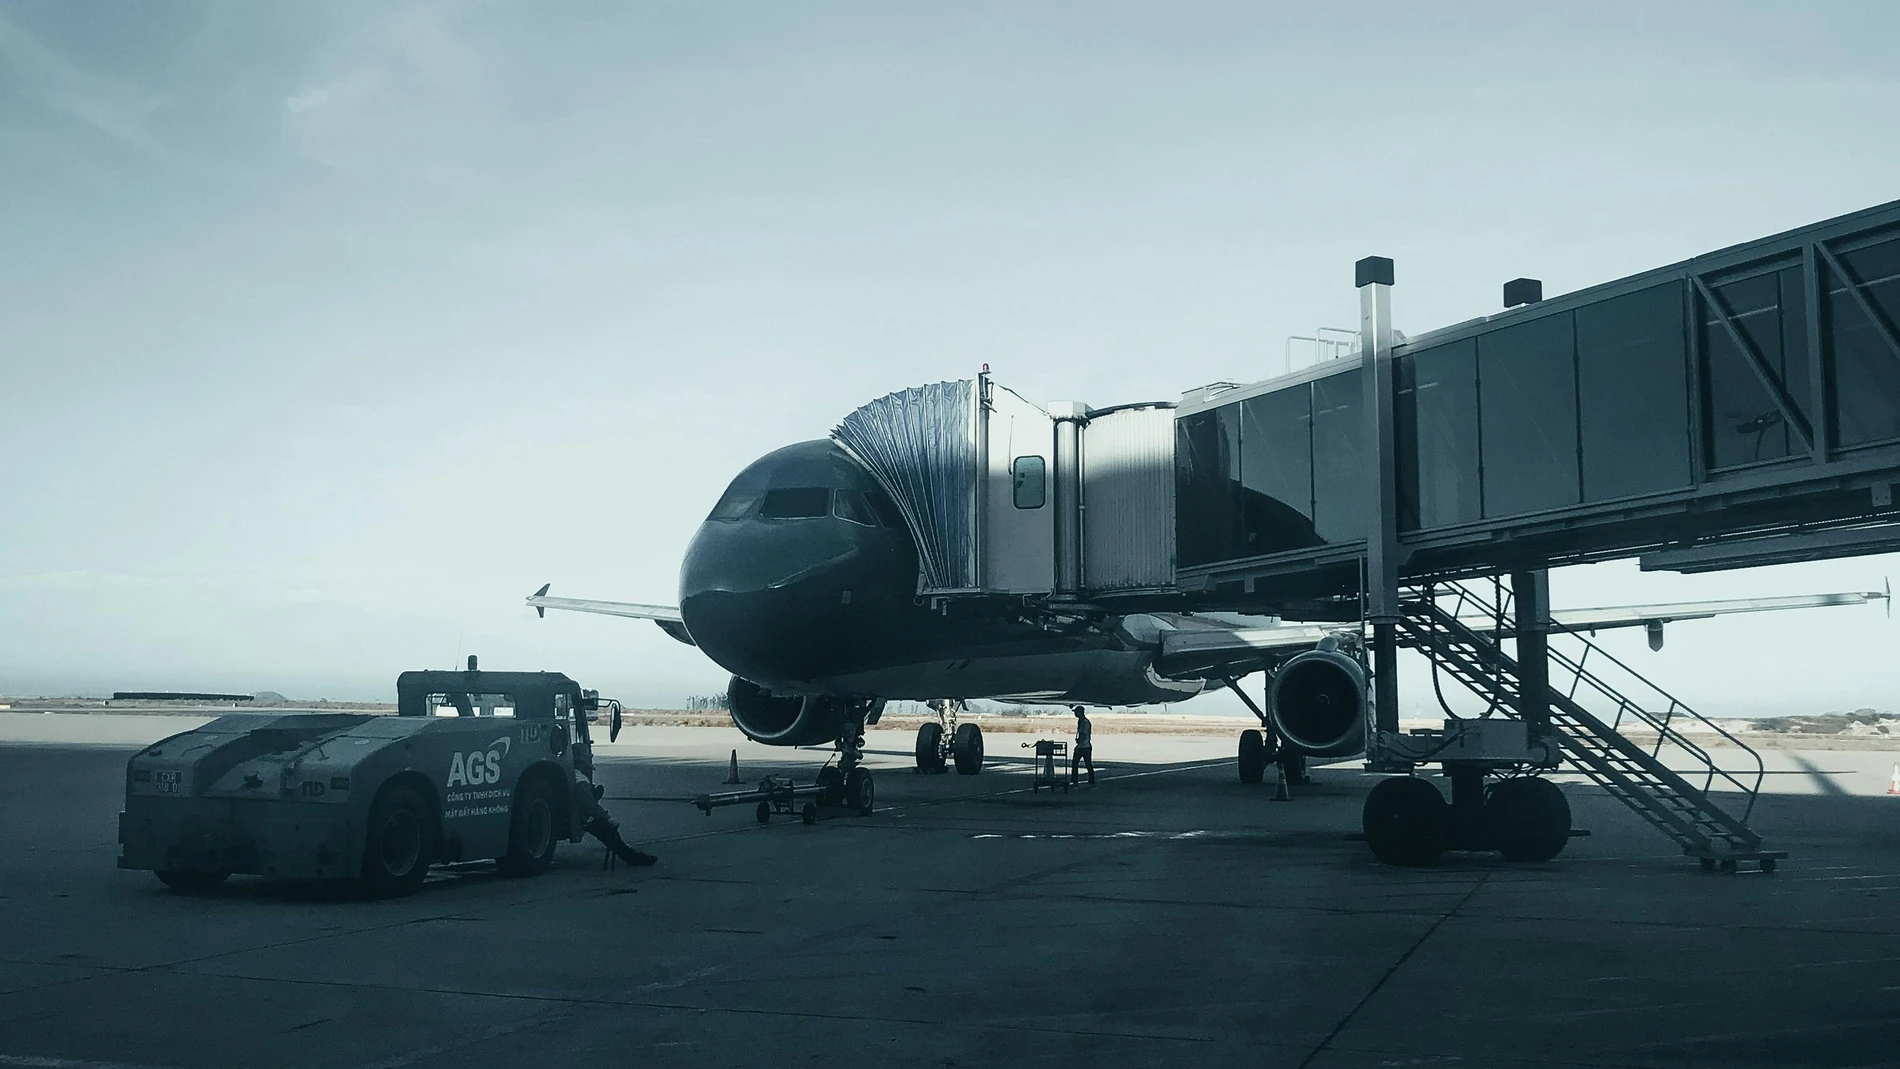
point(783, 719)
point(1318, 702)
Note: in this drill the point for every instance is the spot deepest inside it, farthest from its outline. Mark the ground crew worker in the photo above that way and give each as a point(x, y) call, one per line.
point(1084, 749)
point(587, 799)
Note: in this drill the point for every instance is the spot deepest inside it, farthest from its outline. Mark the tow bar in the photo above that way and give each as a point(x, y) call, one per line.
point(779, 794)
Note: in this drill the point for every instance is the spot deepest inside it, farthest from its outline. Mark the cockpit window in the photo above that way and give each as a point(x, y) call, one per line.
point(736, 505)
point(886, 509)
point(851, 505)
point(795, 503)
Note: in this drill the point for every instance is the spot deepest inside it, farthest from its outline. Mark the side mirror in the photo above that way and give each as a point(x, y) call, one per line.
point(613, 726)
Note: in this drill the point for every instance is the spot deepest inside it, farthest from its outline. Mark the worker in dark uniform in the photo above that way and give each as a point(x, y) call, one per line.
point(1084, 748)
point(587, 801)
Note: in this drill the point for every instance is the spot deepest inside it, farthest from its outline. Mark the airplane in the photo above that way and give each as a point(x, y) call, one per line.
point(802, 583)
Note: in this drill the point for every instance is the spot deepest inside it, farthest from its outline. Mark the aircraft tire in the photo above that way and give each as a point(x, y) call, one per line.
point(1253, 756)
point(860, 792)
point(967, 747)
point(1406, 821)
point(930, 747)
point(830, 786)
point(1530, 817)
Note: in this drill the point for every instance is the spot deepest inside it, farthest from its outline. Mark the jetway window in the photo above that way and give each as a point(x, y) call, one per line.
point(1436, 431)
point(1866, 368)
point(1276, 472)
point(1745, 423)
point(1633, 393)
point(1029, 482)
point(1339, 473)
point(1207, 486)
point(1527, 409)
point(795, 503)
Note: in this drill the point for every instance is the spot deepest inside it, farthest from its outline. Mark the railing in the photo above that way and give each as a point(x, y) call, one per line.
point(1655, 731)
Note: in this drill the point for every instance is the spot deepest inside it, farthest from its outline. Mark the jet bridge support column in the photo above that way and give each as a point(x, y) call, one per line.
point(1373, 276)
point(1530, 599)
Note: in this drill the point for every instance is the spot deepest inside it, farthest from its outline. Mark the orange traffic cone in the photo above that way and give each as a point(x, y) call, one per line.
point(1893, 785)
point(1279, 787)
point(733, 775)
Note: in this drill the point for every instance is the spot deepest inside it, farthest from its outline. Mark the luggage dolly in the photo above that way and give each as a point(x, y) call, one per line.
point(1048, 773)
point(779, 794)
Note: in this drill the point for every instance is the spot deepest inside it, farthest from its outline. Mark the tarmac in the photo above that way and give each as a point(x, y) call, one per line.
point(1170, 916)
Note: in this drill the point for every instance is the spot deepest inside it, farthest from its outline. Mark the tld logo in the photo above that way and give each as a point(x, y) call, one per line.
point(478, 768)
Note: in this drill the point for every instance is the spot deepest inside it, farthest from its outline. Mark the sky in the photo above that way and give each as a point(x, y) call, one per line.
point(330, 331)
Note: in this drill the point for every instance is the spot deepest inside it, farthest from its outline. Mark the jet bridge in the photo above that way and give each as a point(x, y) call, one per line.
point(1689, 415)
point(1738, 408)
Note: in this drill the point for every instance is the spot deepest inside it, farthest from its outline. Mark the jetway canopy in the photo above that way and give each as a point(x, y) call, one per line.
point(1006, 497)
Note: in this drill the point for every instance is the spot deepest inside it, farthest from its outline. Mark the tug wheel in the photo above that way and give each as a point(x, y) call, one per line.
point(1406, 821)
point(399, 844)
point(1253, 756)
point(531, 835)
point(192, 882)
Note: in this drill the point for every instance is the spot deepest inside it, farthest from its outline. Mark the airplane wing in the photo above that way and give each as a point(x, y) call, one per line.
point(666, 616)
point(1236, 651)
point(1652, 617)
point(1231, 647)
point(1631, 615)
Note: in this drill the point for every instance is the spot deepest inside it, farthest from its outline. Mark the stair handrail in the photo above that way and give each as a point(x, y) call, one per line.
point(1665, 725)
point(1662, 724)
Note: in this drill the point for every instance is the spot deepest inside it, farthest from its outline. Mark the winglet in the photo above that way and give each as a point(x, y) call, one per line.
point(541, 611)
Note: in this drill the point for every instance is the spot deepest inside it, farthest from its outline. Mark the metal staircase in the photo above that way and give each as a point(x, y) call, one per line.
point(1633, 746)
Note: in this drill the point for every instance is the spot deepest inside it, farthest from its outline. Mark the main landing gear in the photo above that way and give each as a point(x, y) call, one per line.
point(1408, 822)
point(1261, 750)
point(947, 742)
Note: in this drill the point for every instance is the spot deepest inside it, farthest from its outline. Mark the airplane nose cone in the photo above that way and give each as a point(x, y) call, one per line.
point(771, 601)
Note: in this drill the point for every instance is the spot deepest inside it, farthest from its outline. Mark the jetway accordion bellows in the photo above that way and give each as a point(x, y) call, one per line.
point(920, 445)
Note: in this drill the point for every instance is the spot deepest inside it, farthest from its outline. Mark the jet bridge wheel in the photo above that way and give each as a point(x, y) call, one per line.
point(966, 746)
point(1530, 817)
point(1406, 821)
point(1253, 756)
point(930, 747)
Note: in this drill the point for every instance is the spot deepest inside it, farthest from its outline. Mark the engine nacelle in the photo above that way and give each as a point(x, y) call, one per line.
point(1318, 702)
point(783, 719)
